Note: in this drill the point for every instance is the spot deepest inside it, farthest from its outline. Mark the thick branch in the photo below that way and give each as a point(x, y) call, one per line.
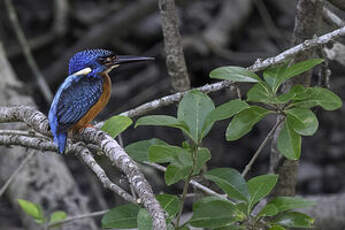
point(109, 146)
point(175, 60)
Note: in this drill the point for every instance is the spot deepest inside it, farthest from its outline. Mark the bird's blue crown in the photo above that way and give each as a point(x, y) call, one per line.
point(87, 58)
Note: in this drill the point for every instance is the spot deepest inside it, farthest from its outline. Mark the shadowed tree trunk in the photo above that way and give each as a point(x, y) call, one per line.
point(307, 22)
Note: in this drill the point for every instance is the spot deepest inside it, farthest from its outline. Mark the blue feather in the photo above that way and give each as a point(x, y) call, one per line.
point(73, 100)
point(77, 94)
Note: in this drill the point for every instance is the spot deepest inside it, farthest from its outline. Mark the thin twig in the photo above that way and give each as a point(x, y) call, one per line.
point(74, 218)
point(27, 52)
point(15, 173)
point(257, 66)
point(332, 18)
point(192, 182)
point(77, 149)
point(262, 145)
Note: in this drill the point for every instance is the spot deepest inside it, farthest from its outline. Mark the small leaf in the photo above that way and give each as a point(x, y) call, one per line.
point(303, 121)
point(57, 216)
point(203, 155)
point(144, 220)
point(297, 92)
point(124, 216)
point(259, 187)
point(284, 203)
point(289, 142)
point(243, 122)
point(268, 210)
point(168, 153)
point(176, 172)
point(320, 97)
point(275, 76)
point(116, 125)
point(223, 112)
point(235, 74)
point(170, 203)
point(163, 120)
point(277, 227)
point(32, 209)
point(259, 93)
point(294, 220)
point(212, 212)
point(230, 181)
point(300, 67)
point(139, 151)
point(193, 110)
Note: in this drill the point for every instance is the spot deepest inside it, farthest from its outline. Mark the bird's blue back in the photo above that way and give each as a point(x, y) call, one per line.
point(76, 95)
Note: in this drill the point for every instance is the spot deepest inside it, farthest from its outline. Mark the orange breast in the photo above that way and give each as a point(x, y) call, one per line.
point(98, 107)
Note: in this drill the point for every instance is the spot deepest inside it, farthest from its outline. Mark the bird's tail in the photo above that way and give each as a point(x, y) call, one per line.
point(60, 140)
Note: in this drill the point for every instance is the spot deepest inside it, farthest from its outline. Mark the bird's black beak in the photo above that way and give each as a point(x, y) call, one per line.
point(122, 59)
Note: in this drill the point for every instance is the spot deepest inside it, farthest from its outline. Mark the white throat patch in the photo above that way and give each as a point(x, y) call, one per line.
point(84, 71)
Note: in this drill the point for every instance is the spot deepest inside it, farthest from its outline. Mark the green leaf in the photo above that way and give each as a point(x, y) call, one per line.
point(144, 220)
point(223, 112)
point(176, 172)
point(235, 74)
point(277, 227)
point(203, 155)
point(259, 93)
point(170, 203)
point(297, 92)
point(289, 142)
point(116, 125)
point(32, 209)
point(300, 67)
point(275, 76)
point(303, 121)
point(124, 216)
point(244, 121)
point(230, 181)
point(193, 110)
point(232, 227)
point(169, 153)
point(259, 187)
point(284, 203)
point(163, 120)
point(212, 212)
point(268, 210)
point(320, 97)
point(180, 159)
point(139, 151)
point(294, 220)
point(57, 216)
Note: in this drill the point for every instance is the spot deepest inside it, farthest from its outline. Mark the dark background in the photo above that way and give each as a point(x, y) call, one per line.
point(260, 30)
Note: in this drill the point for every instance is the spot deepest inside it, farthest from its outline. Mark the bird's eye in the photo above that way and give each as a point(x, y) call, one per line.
point(107, 60)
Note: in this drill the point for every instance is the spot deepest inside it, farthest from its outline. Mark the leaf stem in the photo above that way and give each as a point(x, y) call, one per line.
point(262, 145)
point(186, 185)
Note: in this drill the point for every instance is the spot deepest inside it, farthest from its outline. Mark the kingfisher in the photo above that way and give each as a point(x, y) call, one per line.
point(85, 92)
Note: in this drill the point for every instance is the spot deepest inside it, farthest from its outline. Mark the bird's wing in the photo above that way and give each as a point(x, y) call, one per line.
point(74, 99)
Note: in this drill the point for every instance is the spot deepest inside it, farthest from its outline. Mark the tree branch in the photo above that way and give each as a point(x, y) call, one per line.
point(27, 52)
point(175, 60)
point(257, 66)
point(109, 146)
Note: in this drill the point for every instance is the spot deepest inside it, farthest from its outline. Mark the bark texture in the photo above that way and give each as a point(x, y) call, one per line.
point(307, 23)
point(46, 179)
point(175, 60)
